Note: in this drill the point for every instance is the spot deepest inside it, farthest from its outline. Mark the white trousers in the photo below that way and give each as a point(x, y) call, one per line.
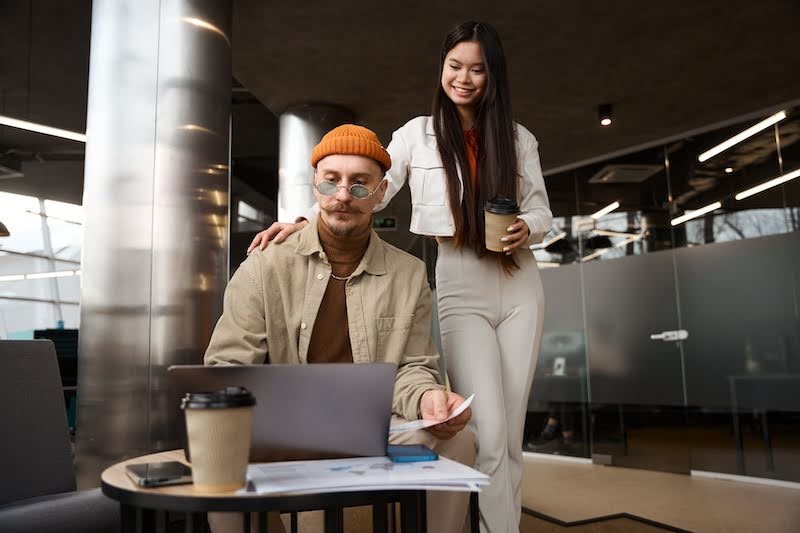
point(491, 327)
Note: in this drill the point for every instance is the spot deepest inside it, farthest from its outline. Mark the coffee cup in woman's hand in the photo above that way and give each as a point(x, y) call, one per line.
point(499, 214)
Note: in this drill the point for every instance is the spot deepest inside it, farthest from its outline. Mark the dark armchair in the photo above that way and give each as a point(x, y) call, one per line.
point(37, 480)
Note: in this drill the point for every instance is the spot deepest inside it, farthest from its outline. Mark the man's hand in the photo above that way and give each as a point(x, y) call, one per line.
point(437, 405)
point(277, 231)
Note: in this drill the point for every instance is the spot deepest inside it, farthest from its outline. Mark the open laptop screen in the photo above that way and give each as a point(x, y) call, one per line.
point(318, 411)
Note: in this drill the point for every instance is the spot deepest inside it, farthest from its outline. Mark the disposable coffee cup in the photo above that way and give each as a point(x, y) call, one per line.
point(219, 427)
point(499, 213)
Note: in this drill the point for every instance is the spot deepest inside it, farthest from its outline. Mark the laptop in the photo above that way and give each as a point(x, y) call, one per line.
point(319, 411)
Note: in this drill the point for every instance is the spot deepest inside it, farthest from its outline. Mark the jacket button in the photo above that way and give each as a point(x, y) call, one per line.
point(303, 325)
point(320, 276)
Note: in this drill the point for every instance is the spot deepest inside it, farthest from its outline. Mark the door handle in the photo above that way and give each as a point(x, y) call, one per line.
point(670, 336)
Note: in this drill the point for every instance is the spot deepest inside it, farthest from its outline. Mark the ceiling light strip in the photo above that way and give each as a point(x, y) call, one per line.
point(545, 244)
point(41, 275)
point(41, 128)
point(606, 210)
point(594, 255)
point(768, 184)
point(739, 137)
point(688, 215)
point(628, 241)
point(609, 233)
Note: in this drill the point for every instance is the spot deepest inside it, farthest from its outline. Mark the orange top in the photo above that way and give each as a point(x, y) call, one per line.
point(471, 139)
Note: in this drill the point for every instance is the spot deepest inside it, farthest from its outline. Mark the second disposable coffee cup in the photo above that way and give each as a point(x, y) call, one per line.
point(219, 427)
point(499, 213)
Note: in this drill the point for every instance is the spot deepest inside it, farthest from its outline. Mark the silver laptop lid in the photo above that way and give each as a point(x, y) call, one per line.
point(317, 411)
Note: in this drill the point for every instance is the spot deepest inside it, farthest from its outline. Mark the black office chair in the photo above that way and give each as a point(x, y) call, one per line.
point(37, 479)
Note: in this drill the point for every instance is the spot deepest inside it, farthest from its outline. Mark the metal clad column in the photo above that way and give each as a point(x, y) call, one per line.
point(301, 128)
point(156, 206)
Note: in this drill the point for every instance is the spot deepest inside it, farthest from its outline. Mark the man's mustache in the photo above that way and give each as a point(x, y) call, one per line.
point(343, 209)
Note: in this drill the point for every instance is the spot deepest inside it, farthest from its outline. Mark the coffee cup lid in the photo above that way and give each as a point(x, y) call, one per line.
point(221, 399)
point(502, 205)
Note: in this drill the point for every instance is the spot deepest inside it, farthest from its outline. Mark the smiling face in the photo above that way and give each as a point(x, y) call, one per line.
point(341, 212)
point(464, 76)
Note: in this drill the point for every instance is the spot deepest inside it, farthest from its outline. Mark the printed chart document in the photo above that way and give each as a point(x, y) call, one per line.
point(421, 424)
point(359, 474)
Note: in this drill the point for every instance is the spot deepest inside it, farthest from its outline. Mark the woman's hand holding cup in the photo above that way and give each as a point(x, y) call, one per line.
point(518, 234)
point(505, 232)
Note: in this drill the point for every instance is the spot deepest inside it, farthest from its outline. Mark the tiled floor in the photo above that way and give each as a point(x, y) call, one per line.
point(571, 491)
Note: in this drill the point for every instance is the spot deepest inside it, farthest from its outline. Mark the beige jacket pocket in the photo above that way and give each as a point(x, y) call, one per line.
point(392, 335)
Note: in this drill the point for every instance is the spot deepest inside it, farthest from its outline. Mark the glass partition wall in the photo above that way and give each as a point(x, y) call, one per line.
point(672, 326)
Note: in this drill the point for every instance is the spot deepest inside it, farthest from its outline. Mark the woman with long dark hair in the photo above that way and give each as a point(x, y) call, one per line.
point(490, 304)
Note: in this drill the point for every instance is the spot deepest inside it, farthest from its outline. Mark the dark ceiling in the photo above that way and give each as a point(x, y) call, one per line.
point(667, 67)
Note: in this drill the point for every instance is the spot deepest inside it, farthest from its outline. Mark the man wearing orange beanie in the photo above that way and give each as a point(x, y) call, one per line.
point(335, 292)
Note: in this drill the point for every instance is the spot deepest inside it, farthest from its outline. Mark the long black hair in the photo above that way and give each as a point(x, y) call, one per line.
point(497, 157)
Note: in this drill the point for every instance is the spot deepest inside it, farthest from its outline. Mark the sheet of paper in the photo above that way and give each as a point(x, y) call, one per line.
point(447, 487)
point(422, 424)
point(360, 473)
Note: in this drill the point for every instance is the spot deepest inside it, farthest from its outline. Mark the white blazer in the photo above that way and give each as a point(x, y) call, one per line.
point(415, 157)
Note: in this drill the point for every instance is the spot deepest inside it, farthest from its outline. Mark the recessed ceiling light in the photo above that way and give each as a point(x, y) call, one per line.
point(604, 114)
point(728, 170)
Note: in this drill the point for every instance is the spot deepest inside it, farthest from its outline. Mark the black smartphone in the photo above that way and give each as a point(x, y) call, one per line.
point(159, 474)
point(409, 453)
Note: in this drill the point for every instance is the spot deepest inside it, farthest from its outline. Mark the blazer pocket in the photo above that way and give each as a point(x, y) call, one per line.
point(392, 337)
point(427, 181)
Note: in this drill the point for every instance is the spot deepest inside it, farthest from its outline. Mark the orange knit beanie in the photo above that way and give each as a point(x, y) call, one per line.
point(350, 139)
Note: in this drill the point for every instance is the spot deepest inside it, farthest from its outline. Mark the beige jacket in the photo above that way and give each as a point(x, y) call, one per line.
point(272, 300)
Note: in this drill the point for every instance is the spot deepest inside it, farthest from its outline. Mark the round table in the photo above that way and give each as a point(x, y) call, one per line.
point(145, 509)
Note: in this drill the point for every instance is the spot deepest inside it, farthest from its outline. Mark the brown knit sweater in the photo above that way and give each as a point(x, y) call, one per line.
point(330, 340)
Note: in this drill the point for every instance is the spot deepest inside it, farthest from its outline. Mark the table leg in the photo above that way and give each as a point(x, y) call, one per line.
point(138, 520)
point(160, 518)
point(474, 513)
point(246, 522)
point(195, 523)
point(293, 520)
point(334, 520)
point(393, 517)
point(413, 517)
point(263, 522)
point(422, 513)
point(379, 516)
point(128, 518)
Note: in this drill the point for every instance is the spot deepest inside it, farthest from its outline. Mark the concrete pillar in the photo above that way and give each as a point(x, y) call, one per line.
point(301, 128)
point(156, 189)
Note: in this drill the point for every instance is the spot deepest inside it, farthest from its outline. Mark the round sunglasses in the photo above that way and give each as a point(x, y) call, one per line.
point(359, 191)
